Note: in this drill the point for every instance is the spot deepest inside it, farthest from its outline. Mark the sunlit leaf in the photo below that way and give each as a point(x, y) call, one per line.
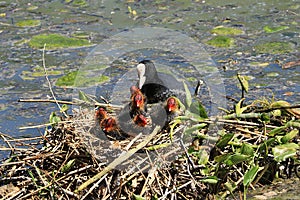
point(250, 175)
point(278, 130)
point(224, 140)
point(138, 197)
point(284, 151)
point(244, 82)
point(53, 118)
point(222, 158)
point(289, 136)
point(210, 179)
point(64, 108)
point(194, 128)
point(197, 108)
point(188, 96)
point(68, 165)
point(247, 149)
point(235, 159)
point(83, 96)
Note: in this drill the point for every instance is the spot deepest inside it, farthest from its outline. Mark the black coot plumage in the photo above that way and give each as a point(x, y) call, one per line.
point(150, 84)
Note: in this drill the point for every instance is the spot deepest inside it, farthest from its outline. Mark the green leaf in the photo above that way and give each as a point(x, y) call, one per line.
point(202, 156)
point(159, 146)
point(68, 166)
point(289, 136)
point(64, 108)
point(264, 146)
point(284, 151)
point(238, 109)
point(53, 118)
point(194, 128)
point(83, 96)
point(210, 179)
point(138, 197)
point(188, 96)
point(247, 149)
point(222, 158)
point(250, 175)
point(224, 140)
point(277, 130)
point(244, 82)
point(197, 108)
point(235, 159)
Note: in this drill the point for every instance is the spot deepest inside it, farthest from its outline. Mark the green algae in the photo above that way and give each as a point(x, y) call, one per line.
point(221, 41)
point(80, 79)
point(269, 29)
point(274, 47)
point(221, 30)
point(55, 41)
point(80, 3)
point(39, 71)
point(29, 23)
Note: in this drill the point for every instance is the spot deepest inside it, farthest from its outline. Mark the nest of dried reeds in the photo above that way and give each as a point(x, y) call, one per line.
point(197, 159)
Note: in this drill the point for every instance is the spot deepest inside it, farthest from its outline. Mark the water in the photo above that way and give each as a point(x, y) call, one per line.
point(103, 19)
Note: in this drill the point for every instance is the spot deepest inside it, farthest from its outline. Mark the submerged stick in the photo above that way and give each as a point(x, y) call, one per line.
point(119, 160)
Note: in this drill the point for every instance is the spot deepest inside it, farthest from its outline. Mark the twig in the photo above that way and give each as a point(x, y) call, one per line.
point(93, 187)
point(71, 102)
point(119, 160)
point(49, 83)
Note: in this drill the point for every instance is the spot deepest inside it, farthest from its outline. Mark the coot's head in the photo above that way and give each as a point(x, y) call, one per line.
point(147, 73)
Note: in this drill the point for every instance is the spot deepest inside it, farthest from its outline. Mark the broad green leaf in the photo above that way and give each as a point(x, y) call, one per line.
point(64, 108)
point(244, 82)
point(235, 159)
point(278, 130)
point(289, 136)
point(247, 149)
point(188, 96)
point(202, 156)
point(284, 151)
point(194, 128)
point(53, 118)
point(83, 96)
point(138, 197)
point(238, 109)
point(197, 108)
point(250, 175)
point(264, 146)
point(222, 158)
point(224, 140)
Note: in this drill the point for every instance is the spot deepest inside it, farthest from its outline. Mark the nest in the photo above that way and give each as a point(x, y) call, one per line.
point(192, 160)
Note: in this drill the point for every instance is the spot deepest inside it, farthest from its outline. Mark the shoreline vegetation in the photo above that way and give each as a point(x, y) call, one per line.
point(195, 157)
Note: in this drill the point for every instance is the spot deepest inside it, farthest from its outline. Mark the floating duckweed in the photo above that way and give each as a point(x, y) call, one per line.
point(29, 23)
point(55, 41)
point(80, 79)
point(274, 47)
point(221, 41)
point(269, 29)
point(38, 72)
point(221, 30)
point(79, 3)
